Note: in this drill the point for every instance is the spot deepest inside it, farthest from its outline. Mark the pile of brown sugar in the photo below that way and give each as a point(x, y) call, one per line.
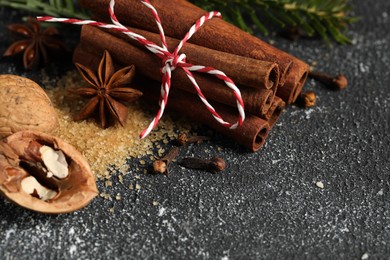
point(107, 149)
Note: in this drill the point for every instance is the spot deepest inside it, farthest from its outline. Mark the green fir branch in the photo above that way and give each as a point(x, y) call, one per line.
point(325, 18)
point(59, 8)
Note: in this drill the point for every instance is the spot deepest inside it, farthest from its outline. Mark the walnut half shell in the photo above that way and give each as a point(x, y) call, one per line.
point(44, 174)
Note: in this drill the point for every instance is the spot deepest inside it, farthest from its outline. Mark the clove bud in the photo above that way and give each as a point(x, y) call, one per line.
point(213, 165)
point(161, 166)
point(336, 82)
point(306, 99)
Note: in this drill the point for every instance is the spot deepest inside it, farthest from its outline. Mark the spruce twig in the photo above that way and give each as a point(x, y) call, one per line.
point(324, 18)
point(59, 8)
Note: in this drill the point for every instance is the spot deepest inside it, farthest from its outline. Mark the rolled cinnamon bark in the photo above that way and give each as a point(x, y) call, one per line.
point(256, 101)
point(251, 134)
point(178, 16)
point(294, 84)
point(275, 111)
point(248, 72)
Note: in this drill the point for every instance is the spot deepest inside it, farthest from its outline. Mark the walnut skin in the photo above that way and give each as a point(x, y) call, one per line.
point(24, 106)
point(26, 181)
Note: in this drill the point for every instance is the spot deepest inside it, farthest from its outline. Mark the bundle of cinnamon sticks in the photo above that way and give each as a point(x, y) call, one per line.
point(268, 78)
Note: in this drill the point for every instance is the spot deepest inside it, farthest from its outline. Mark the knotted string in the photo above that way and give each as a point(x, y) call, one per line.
point(170, 61)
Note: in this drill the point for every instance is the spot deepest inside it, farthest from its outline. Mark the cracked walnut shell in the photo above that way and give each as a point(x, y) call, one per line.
point(24, 106)
point(44, 174)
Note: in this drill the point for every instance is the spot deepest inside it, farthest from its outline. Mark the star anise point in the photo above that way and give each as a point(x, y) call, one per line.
point(108, 92)
point(36, 43)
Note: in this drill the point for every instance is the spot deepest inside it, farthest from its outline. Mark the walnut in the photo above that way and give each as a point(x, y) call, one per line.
point(24, 106)
point(42, 173)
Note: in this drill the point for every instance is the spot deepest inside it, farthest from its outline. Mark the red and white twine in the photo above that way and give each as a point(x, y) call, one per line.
point(171, 61)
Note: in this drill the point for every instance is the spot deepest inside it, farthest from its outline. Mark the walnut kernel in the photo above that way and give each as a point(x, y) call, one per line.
point(42, 173)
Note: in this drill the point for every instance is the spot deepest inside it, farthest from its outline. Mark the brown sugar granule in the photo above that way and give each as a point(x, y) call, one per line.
point(106, 149)
point(105, 196)
point(120, 179)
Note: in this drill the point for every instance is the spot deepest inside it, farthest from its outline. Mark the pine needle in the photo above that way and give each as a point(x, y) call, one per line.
point(63, 8)
point(324, 18)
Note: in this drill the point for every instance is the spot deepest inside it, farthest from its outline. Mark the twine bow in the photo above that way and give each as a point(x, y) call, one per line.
point(170, 61)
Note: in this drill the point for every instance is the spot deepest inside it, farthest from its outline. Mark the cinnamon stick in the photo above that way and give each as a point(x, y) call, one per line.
point(178, 16)
point(275, 111)
point(294, 84)
point(245, 71)
point(256, 101)
point(251, 134)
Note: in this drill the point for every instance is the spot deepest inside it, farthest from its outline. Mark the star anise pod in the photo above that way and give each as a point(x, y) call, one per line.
point(108, 93)
point(36, 43)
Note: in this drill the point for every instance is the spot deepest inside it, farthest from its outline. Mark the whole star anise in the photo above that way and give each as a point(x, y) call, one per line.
point(108, 92)
point(36, 43)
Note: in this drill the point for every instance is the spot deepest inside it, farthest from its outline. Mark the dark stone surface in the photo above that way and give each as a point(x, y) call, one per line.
point(265, 205)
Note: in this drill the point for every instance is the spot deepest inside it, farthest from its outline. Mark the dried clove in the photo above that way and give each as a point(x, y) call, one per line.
point(335, 82)
point(183, 139)
point(213, 165)
point(306, 99)
point(161, 166)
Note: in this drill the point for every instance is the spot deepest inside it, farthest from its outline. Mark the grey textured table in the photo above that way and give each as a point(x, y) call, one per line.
point(265, 205)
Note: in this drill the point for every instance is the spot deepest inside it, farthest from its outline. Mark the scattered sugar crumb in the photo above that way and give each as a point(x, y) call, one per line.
point(276, 161)
point(73, 250)
point(161, 211)
point(137, 186)
point(105, 196)
point(320, 184)
point(364, 256)
point(155, 203)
